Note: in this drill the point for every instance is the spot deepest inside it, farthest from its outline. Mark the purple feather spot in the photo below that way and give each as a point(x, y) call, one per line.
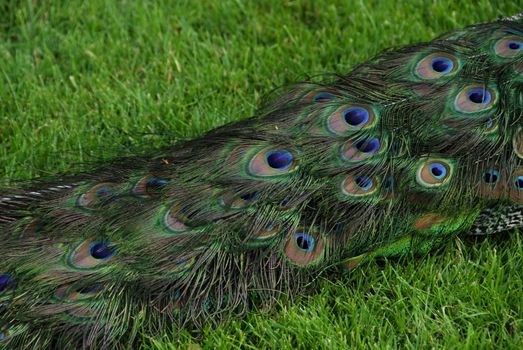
point(89, 289)
point(304, 241)
point(442, 65)
point(323, 97)
point(519, 183)
point(6, 281)
point(101, 250)
point(279, 160)
point(249, 196)
point(356, 116)
point(368, 145)
point(479, 96)
point(438, 170)
point(363, 182)
point(491, 176)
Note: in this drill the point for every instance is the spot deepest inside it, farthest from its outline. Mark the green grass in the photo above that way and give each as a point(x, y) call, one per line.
point(96, 79)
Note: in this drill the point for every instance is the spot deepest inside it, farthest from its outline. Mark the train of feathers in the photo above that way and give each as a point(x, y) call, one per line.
point(412, 147)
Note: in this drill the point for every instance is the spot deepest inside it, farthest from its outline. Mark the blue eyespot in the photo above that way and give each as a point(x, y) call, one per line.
point(437, 65)
point(442, 65)
point(491, 176)
point(510, 46)
point(368, 145)
point(479, 96)
point(6, 281)
point(519, 183)
point(184, 263)
point(181, 262)
point(438, 170)
point(304, 241)
point(273, 161)
point(490, 125)
point(104, 191)
point(155, 182)
point(279, 160)
point(90, 289)
point(101, 250)
point(515, 45)
point(363, 182)
point(249, 196)
point(323, 97)
point(356, 116)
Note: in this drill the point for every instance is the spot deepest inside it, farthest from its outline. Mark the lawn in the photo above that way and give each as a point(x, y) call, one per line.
point(89, 80)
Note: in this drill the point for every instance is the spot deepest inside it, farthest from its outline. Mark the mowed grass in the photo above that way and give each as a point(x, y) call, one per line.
point(89, 80)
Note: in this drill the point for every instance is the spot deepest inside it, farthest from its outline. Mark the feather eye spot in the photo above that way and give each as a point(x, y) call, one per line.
point(231, 200)
point(273, 162)
point(479, 96)
point(491, 185)
point(268, 231)
point(148, 186)
point(363, 182)
point(34, 227)
point(516, 189)
point(304, 247)
point(104, 191)
point(474, 99)
point(322, 97)
point(279, 160)
point(7, 282)
point(519, 183)
point(433, 173)
point(156, 181)
point(89, 290)
point(491, 176)
point(509, 47)
point(369, 146)
point(249, 196)
point(319, 95)
point(101, 250)
point(71, 293)
point(350, 118)
point(356, 116)
point(437, 65)
point(96, 194)
point(304, 241)
point(5, 336)
point(442, 65)
point(358, 186)
point(491, 125)
point(360, 149)
point(438, 170)
point(172, 223)
point(91, 254)
point(184, 264)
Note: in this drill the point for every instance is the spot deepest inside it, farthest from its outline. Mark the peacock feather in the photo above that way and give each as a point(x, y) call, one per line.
point(405, 151)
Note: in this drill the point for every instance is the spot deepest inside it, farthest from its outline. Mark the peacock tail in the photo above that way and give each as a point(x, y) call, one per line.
point(408, 149)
